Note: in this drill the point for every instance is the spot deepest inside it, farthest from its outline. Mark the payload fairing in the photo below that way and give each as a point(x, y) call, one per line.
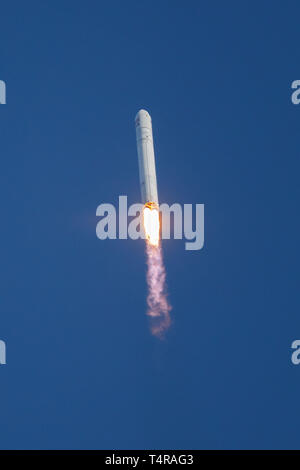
point(144, 140)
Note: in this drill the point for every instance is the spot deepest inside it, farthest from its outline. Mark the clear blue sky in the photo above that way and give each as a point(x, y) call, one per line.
point(83, 370)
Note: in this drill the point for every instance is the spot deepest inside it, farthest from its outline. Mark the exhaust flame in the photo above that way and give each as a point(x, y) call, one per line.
point(158, 305)
point(151, 223)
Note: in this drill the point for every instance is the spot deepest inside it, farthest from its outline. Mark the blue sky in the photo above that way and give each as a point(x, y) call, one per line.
point(82, 368)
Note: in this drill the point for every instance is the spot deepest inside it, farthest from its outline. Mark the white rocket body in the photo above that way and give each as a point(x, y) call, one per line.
point(144, 141)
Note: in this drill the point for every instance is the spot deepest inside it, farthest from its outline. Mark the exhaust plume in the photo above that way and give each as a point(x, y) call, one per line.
point(157, 301)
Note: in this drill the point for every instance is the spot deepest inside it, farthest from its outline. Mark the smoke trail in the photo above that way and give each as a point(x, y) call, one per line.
point(158, 305)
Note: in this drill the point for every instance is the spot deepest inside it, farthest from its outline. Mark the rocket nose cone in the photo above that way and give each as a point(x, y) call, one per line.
point(143, 118)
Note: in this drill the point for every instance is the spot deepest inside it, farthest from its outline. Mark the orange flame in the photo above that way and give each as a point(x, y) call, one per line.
point(151, 223)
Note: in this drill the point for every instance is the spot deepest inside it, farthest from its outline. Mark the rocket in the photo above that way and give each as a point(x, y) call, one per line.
point(158, 306)
point(144, 142)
